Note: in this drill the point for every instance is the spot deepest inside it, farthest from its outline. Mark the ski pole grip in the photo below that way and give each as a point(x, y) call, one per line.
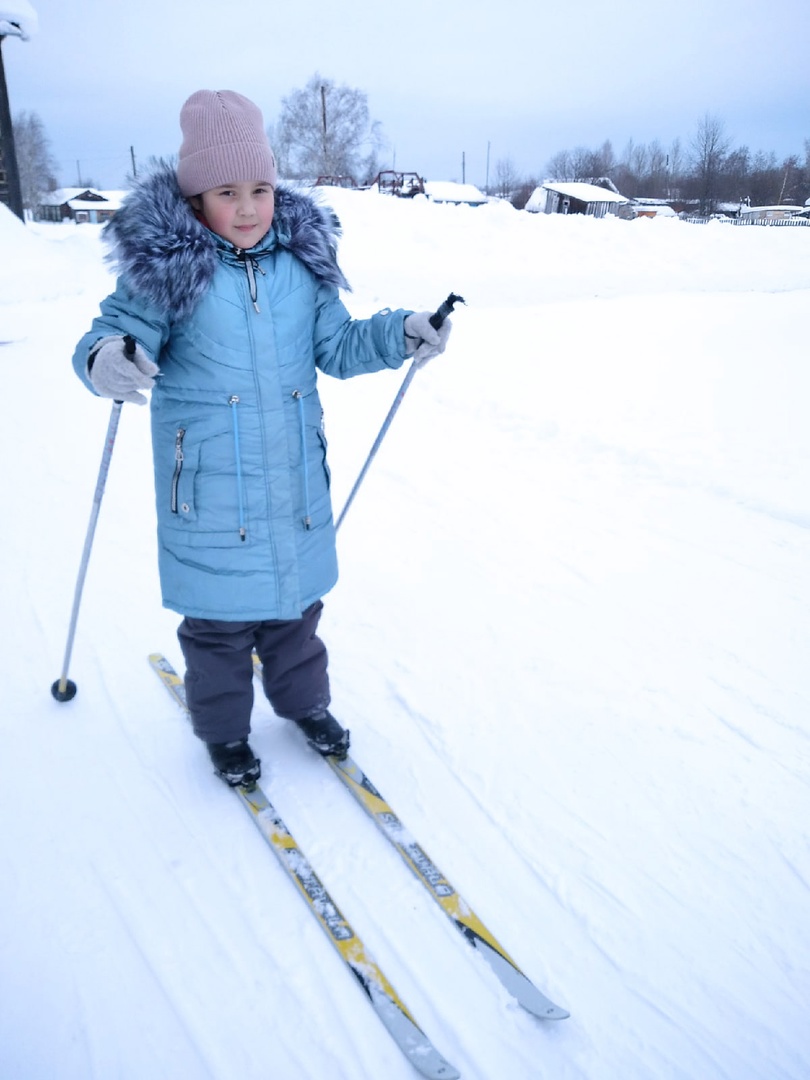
point(129, 352)
point(444, 309)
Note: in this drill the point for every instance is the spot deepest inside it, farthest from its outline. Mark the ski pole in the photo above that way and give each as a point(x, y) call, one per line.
point(64, 689)
point(436, 320)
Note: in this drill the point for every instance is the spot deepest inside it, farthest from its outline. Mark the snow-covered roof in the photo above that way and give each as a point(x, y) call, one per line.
point(18, 19)
point(657, 206)
point(449, 191)
point(589, 193)
point(759, 209)
point(109, 200)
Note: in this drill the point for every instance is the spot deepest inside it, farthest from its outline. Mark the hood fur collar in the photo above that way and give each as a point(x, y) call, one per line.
point(169, 258)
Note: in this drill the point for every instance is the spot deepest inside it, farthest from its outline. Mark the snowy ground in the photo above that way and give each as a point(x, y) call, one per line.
point(570, 638)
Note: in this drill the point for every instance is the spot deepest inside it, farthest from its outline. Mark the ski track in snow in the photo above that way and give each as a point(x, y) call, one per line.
point(570, 640)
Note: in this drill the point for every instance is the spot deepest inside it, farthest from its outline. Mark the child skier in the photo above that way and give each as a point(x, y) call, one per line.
point(228, 290)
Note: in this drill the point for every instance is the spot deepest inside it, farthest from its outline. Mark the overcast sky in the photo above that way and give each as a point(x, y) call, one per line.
point(444, 80)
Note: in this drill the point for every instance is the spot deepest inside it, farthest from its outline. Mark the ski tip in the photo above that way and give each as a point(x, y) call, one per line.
point(519, 986)
point(554, 1012)
point(530, 999)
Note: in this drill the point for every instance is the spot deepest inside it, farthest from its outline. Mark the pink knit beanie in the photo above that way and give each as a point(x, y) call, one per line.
point(224, 142)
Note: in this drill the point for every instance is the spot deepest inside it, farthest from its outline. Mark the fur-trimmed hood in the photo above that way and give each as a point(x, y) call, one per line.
point(168, 257)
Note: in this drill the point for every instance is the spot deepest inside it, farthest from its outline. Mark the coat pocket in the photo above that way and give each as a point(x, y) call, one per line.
point(201, 496)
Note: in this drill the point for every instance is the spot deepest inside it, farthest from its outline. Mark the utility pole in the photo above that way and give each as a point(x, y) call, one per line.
point(486, 186)
point(323, 118)
point(463, 167)
point(8, 154)
point(134, 166)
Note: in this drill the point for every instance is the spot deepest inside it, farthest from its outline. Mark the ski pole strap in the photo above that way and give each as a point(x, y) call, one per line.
point(444, 309)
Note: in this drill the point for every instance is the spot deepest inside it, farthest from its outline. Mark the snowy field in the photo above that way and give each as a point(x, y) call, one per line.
point(571, 640)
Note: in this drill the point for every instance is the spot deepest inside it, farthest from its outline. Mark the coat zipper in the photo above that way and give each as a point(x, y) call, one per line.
point(299, 397)
point(233, 401)
point(251, 265)
point(178, 465)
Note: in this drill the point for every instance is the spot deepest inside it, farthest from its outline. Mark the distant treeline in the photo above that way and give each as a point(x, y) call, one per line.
point(708, 171)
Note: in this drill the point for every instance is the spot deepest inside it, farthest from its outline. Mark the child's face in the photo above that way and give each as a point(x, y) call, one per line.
point(240, 213)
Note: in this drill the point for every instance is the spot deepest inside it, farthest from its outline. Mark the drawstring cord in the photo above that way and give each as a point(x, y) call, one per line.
point(233, 402)
point(300, 399)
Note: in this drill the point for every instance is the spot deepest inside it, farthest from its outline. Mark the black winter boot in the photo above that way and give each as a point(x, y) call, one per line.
point(235, 763)
point(324, 734)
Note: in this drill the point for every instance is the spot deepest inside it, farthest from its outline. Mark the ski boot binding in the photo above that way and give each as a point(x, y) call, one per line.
point(325, 735)
point(235, 763)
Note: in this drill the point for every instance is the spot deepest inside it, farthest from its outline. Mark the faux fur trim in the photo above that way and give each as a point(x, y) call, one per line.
point(169, 258)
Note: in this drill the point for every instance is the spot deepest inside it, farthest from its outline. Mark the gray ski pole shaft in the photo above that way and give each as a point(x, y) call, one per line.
point(64, 689)
point(436, 320)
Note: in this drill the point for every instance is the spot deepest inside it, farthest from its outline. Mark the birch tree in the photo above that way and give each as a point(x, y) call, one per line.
point(325, 130)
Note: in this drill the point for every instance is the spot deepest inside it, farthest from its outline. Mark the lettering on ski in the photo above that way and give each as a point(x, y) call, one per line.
point(460, 913)
point(386, 1002)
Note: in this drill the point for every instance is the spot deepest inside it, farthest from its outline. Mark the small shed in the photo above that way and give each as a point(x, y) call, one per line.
point(80, 205)
point(574, 197)
point(769, 213)
point(447, 191)
point(646, 208)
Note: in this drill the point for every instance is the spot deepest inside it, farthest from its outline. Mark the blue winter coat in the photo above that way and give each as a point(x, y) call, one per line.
point(245, 527)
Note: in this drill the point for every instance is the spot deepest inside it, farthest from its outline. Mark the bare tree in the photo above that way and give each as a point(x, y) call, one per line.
point(710, 147)
point(737, 174)
point(803, 193)
point(325, 130)
point(761, 178)
point(582, 162)
point(676, 164)
point(790, 188)
point(604, 160)
point(560, 166)
point(655, 179)
point(524, 191)
point(506, 178)
point(36, 165)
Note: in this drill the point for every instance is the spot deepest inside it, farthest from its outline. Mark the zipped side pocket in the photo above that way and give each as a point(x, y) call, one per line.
point(178, 466)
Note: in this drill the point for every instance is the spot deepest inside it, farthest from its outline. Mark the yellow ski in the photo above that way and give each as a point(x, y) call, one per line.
point(386, 1002)
point(458, 910)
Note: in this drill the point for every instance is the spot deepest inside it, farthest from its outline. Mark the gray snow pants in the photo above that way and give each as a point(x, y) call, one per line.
point(219, 671)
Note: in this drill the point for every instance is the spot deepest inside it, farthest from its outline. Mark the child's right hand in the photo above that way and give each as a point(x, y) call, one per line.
point(118, 367)
point(422, 340)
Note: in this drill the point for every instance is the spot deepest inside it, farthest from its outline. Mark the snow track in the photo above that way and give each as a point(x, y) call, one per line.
point(575, 590)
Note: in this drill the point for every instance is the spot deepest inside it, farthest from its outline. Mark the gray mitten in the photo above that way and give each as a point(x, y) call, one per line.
point(118, 368)
point(422, 340)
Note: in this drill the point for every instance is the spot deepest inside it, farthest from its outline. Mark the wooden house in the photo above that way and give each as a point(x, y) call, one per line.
point(79, 205)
